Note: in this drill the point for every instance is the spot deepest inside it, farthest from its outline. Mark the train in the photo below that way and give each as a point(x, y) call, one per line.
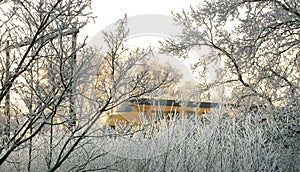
point(138, 111)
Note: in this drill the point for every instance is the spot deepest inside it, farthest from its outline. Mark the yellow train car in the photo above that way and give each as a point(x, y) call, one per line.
point(138, 111)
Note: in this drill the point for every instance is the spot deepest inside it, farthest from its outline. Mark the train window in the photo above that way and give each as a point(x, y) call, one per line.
point(125, 107)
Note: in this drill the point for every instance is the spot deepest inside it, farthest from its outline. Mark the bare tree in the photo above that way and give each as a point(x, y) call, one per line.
point(255, 42)
point(53, 85)
point(115, 80)
point(127, 73)
point(31, 37)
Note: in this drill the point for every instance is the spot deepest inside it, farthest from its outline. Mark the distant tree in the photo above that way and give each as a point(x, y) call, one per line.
point(256, 43)
point(126, 73)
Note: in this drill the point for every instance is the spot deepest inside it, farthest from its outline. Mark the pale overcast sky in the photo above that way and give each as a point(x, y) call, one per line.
point(110, 11)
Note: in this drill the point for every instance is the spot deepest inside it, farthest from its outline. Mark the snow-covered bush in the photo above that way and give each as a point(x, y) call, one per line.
point(223, 143)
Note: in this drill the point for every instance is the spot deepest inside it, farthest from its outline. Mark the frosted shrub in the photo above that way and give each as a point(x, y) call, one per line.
point(212, 142)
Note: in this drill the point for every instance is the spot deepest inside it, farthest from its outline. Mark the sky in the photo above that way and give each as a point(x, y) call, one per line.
point(110, 11)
